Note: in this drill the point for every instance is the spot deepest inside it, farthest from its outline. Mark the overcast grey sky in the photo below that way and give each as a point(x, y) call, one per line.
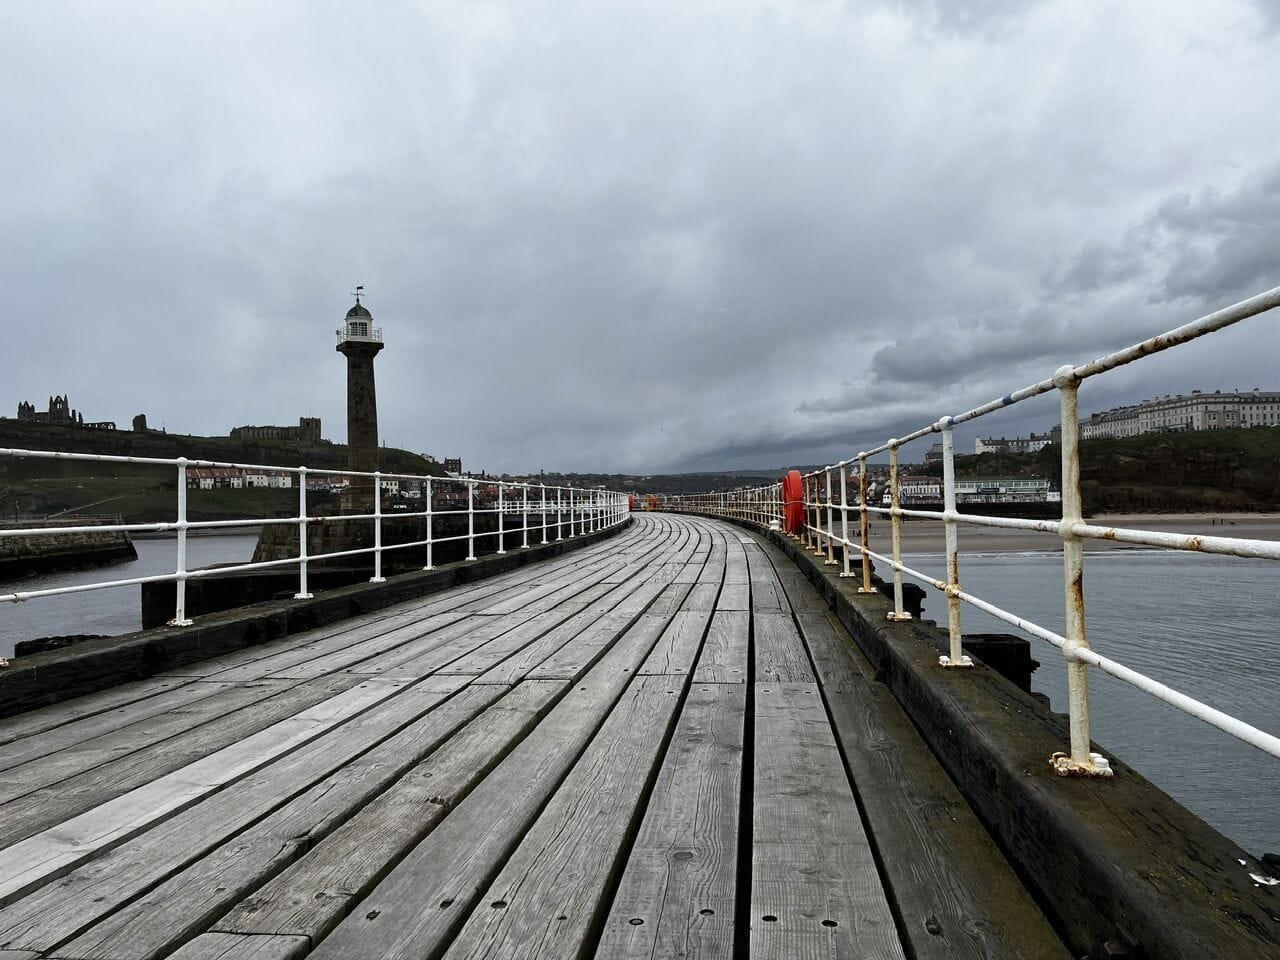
point(631, 236)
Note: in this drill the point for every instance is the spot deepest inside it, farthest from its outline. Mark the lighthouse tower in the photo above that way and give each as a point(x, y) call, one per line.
point(359, 341)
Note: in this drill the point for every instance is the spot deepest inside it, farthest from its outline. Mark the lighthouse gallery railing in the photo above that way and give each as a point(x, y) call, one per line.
point(825, 495)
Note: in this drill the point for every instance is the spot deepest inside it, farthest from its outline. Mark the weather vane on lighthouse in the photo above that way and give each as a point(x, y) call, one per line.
point(359, 292)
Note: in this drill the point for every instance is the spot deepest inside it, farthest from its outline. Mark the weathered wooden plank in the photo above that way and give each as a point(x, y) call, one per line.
point(48, 854)
point(592, 630)
point(512, 656)
point(452, 864)
point(311, 896)
point(577, 656)
point(703, 595)
point(736, 571)
point(188, 902)
point(335, 774)
point(680, 877)
point(815, 890)
point(49, 806)
point(954, 892)
point(43, 719)
point(434, 613)
point(825, 637)
point(677, 649)
point(780, 653)
point(69, 735)
point(236, 946)
point(552, 889)
point(734, 596)
point(77, 758)
point(672, 598)
point(446, 647)
point(725, 650)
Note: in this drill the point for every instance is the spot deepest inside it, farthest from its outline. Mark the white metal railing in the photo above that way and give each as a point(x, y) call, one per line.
point(373, 335)
point(542, 509)
point(825, 493)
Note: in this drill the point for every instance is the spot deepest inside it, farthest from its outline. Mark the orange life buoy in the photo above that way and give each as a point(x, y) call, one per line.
point(793, 502)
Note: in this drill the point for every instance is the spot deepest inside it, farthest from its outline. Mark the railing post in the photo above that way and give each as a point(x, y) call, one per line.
point(865, 524)
point(524, 515)
point(814, 515)
point(502, 519)
point(807, 512)
point(894, 508)
point(180, 583)
point(831, 525)
point(573, 517)
point(543, 487)
point(303, 593)
point(431, 565)
point(845, 571)
point(471, 519)
point(377, 529)
point(1081, 761)
point(956, 656)
point(559, 514)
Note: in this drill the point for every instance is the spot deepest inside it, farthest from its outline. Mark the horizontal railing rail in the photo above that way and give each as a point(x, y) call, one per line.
point(824, 505)
point(545, 511)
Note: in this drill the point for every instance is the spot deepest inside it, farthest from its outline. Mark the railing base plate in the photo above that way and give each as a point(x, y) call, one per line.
point(1097, 766)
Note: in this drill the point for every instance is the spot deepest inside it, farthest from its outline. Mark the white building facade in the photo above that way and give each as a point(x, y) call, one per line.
point(1194, 411)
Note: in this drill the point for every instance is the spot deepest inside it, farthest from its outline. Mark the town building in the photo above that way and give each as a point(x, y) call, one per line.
point(307, 431)
point(1178, 412)
point(924, 489)
point(270, 479)
point(60, 413)
point(1005, 489)
point(1028, 444)
point(919, 488)
point(214, 478)
point(452, 466)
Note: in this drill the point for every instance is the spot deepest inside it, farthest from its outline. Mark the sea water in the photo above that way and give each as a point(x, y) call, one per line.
point(1207, 626)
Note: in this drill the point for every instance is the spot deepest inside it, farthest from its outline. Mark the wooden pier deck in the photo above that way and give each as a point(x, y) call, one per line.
point(661, 745)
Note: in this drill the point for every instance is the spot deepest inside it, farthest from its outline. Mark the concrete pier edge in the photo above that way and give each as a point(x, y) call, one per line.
point(48, 678)
point(1119, 866)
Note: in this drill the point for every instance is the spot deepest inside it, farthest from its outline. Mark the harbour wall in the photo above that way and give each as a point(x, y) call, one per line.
point(47, 553)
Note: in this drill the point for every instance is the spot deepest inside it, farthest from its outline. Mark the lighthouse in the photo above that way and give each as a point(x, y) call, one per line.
point(359, 341)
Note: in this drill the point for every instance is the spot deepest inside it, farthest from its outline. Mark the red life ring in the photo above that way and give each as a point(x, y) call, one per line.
point(793, 502)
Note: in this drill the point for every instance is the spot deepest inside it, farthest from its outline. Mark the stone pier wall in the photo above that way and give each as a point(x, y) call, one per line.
point(20, 556)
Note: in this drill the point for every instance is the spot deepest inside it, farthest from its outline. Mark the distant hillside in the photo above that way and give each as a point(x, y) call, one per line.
point(1202, 470)
point(277, 453)
point(669, 482)
point(139, 493)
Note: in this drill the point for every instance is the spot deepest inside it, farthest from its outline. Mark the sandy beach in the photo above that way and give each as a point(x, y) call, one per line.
point(926, 536)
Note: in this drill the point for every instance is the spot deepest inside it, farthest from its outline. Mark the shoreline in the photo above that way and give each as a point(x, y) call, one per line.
point(927, 536)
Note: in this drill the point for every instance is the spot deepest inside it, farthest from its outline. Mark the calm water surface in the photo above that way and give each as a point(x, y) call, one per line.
point(1208, 626)
point(113, 611)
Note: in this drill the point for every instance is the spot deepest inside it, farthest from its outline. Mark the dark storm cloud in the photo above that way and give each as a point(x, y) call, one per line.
point(628, 236)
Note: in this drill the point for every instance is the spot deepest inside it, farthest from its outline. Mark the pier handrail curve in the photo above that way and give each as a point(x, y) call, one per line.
point(764, 506)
